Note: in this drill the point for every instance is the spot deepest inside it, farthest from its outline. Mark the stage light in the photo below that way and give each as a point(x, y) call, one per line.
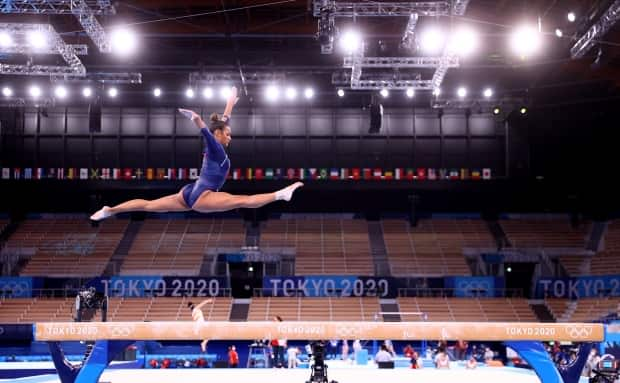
point(523, 110)
point(87, 92)
point(189, 93)
point(464, 41)
point(525, 41)
point(436, 92)
point(225, 92)
point(488, 93)
point(496, 110)
point(60, 91)
point(7, 92)
point(309, 93)
point(207, 93)
point(124, 41)
point(351, 41)
point(410, 92)
point(340, 93)
point(509, 269)
point(112, 92)
point(5, 40)
point(157, 92)
point(272, 93)
point(571, 17)
point(37, 39)
point(462, 92)
point(291, 93)
point(558, 32)
point(432, 41)
point(34, 91)
point(384, 93)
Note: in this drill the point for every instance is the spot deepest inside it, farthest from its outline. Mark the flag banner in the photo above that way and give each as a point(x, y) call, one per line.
point(94, 174)
point(388, 175)
point(83, 173)
point(443, 174)
point(290, 173)
point(486, 174)
point(475, 174)
point(454, 174)
point(193, 173)
point(278, 174)
point(366, 173)
point(248, 173)
point(60, 173)
point(182, 173)
point(17, 173)
point(323, 174)
point(51, 173)
point(344, 174)
point(356, 173)
point(313, 173)
point(464, 174)
point(150, 174)
point(269, 174)
point(421, 174)
point(258, 174)
point(236, 174)
point(301, 173)
point(334, 174)
point(432, 174)
point(138, 173)
point(28, 173)
point(116, 174)
point(377, 173)
point(105, 173)
point(172, 174)
point(410, 174)
point(128, 174)
point(40, 173)
point(6, 173)
point(160, 173)
point(399, 173)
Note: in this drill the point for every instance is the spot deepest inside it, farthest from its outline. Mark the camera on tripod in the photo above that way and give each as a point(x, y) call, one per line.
point(606, 371)
point(319, 368)
point(87, 302)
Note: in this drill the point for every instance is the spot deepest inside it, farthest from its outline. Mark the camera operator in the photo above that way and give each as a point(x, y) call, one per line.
point(606, 370)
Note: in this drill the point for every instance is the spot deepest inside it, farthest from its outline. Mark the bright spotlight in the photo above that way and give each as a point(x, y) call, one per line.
point(7, 92)
point(410, 92)
point(350, 42)
point(558, 32)
point(496, 110)
point(225, 92)
point(124, 41)
point(309, 93)
point(157, 92)
point(5, 40)
point(464, 41)
point(87, 92)
point(384, 92)
point(461, 92)
point(571, 17)
point(37, 39)
point(189, 93)
point(436, 92)
point(34, 91)
point(112, 92)
point(340, 93)
point(488, 93)
point(432, 41)
point(523, 110)
point(291, 93)
point(207, 93)
point(60, 91)
point(525, 41)
point(272, 93)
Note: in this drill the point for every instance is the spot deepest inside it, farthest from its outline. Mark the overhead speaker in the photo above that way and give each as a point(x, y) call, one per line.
point(94, 115)
point(376, 115)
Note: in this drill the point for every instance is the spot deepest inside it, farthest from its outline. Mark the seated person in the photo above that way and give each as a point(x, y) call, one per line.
point(471, 363)
point(383, 355)
point(441, 359)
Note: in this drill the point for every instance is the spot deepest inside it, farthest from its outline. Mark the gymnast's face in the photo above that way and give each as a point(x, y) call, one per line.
point(223, 136)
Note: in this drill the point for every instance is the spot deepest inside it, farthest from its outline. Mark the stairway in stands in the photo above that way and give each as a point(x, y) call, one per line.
point(542, 311)
point(116, 261)
point(390, 306)
point(377, 249)
point(239, 310)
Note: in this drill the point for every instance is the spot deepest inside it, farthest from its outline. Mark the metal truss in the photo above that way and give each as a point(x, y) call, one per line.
point(230, 77)
point(93, 29)
point(375, 9)
point(102, 77)
point(442, 69)
point(56, 44)
point(596, 31)
point(79, 49)
point(402, 62)
point(55, 7)
point(408, 40)
point(459, 7)
point(477, 104)
point(382, 81)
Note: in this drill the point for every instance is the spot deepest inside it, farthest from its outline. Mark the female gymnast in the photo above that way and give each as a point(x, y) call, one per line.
point(204, 194)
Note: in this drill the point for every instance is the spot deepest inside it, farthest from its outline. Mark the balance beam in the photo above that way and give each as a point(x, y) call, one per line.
point(184, 330)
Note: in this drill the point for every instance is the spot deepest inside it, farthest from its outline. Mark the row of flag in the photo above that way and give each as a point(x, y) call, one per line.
point(247, 174)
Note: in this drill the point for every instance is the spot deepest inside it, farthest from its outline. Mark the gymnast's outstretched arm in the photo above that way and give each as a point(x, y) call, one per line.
point(201, 304)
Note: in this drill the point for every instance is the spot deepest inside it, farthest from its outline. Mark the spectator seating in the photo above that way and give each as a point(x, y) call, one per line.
point(544, 232)
point(314, 309)
point(468, 309)
point(608, 260)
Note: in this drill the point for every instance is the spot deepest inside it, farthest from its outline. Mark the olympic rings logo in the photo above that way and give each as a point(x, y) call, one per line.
point(473, 285)
point(119, 331)
point(16, 289)
point(577, 332)
point(347, 332)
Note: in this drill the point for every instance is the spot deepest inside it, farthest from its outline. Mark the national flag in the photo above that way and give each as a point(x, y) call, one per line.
point(334, 174)
point(51, 173)
point(399, 174)
point(421, 173)
point(160, 173)
point(301, 173)
point(269, 174)
point(60, 174)
point(464, 174)
point(138, 173)
point(344, 174)
point(128, 173)
point(172, 174)
point(388, 175)
point(116, 173)
point(290, 173)
point(258, 174)
point(94, 174)
point(313, 173)
point(28, 173)
point(248, 173)
point(323, 174)
point(105, 173)
point(443, 174)
point(40, 173)
point(182, 173)
point(17, 173)
point(409, 174)
point(193, 173)
point(366, 173)
point(150, 173)
point(356, 173)
point(486, 174)
point(236, 174)
point(6, 173)
point(454, 174)
point(83, 173)
point(70, 173)
point(475, 174)
point(432, 174)
point(278, 174)
point(377, 173)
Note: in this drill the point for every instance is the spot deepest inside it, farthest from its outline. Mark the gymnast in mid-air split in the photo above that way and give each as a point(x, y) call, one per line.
point(204, 194)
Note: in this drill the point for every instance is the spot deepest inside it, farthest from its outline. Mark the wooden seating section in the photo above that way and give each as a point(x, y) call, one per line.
point(314, 309)
point(608, 260)
point(545, 232)
point(468, 309)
